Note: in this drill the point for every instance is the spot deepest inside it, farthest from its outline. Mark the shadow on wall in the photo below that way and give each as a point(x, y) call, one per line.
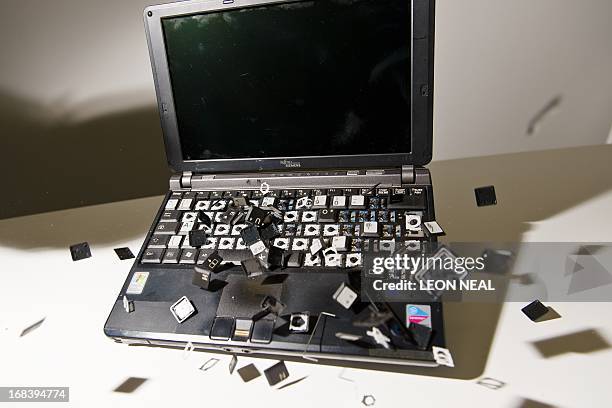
point(49, 163)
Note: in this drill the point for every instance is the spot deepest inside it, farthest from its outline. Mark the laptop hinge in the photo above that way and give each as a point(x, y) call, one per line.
point(407, 174)
point(181, 181)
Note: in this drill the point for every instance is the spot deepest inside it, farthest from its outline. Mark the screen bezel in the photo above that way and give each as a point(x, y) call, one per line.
point(422, 25)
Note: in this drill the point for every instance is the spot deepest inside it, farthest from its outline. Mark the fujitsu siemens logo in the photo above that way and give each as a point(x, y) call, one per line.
point(290, 163)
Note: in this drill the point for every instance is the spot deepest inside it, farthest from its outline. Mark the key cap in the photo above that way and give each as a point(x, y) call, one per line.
point(351, 191)
point(171, 204)
point(235, 255)
point(166, 228)
point(159, 241)
point(169, 216)
point(326, 215)
point(309, 216)
point(370, 229)
point(414, 200)
point(175, 241)
point(171, 256)
point(320, 201)
point(339, 202)
point(357, 202)
point(340, 243)
point(268, 201)
point(188, 256)
point(203, 195)
point(186, 227)
point(185, 204)
point(152, 255)
point(295, 259)
point(288, 194)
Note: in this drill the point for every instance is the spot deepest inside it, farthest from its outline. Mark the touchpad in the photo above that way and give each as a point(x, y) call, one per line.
point(242, 296)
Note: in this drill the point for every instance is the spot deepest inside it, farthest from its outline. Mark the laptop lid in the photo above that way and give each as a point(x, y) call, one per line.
point(248, 85)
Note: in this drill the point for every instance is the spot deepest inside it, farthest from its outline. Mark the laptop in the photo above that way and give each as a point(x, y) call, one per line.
point(297, 132)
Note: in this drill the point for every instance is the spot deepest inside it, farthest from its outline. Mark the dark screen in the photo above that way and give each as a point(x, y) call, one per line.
point(316, 78)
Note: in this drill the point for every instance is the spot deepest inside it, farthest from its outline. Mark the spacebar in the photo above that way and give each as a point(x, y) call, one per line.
point(235, 255)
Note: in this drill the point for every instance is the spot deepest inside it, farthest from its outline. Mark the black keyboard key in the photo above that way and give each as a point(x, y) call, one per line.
point(152, 255)
point(288, 194)
point(413, 201)
point(203, 195)
point(319, 192)
point(171, 256)
point(166, 228)
point(216, 194)
point(295, 259)
point(351, 191)
point(235, 255)
point(169, 216)
point(302, 193)
point(242, 193)
point(335, 191)
point(327, 215)
point(159, 241)
point(189, 195)
point(188, 256)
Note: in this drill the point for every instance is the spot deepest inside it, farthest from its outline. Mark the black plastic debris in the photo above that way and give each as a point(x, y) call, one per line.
point(232, 364)
point(485, 196)
point(421, 335)
point(208, 364)
point(368, 400)
point(289, 384)
point(250, 235)
point(130, 385)
point(272, 305)
point(248, 373)
point(256, 216)
point(197, 238)
point(228, 216)
point(124, 253)
point(80, 251)
point(270, 232)
point(535, 310)
point(277, 373)
point(202, 277)
point(204, 218)
point(490, 383)
point(239, 201)
point(213, 262)
point(32, 327)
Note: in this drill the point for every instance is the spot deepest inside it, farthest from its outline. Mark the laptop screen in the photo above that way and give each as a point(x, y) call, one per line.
point(314, 78)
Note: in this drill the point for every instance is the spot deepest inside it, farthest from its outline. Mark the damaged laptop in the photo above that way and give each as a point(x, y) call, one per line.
point(297, 133)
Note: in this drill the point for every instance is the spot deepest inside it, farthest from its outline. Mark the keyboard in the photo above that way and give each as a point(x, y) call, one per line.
point(313, 228)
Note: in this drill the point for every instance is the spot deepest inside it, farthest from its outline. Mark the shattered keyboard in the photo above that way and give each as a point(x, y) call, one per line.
point(287, 228)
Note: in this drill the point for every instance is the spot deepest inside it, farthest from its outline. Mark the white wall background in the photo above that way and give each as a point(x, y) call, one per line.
point(498, 62)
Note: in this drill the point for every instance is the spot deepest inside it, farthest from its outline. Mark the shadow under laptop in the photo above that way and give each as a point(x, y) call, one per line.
point(54, 157)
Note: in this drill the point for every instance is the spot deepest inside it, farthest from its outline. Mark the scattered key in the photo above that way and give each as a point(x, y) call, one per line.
point(535, 310)
point(197, 238)
point(124, 253)
point(80, 251)
point(277, 373)
point(485, 196)
point(339, 202)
